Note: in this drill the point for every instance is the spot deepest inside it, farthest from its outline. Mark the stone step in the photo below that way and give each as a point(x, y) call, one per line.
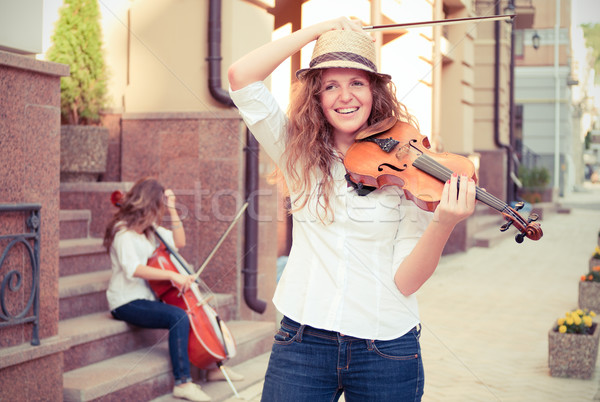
point(78, 256)
point(491, 236)
point(486, 221)
point(95, 197)
point(83, 294)
point(248, 389)
point(96, 335)
point(145, 373)
point(74, 224)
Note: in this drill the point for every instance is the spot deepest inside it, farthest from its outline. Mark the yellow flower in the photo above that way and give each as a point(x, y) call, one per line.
point(579, 312)
point(560, 321)
point(577, 320)
point(587, 320)
point(592, 314)
point(562, 329)
point(569, 321)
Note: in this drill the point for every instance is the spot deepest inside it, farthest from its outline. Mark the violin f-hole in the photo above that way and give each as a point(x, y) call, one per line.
point(389, 165)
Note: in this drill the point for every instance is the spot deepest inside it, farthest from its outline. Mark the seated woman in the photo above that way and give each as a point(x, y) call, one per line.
point(130, 241)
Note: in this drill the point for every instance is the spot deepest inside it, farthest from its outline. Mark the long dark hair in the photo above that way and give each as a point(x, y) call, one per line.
point(139, 209)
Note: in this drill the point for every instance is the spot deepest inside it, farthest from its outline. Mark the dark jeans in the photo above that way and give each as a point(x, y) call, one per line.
point(155, 314)
point(313, 365)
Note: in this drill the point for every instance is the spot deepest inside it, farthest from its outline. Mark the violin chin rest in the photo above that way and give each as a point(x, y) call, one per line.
point(379, 127)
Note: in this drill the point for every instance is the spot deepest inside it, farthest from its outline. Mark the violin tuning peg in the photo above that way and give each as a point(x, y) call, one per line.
point(533, 218)
point(505, 227)
point(519, 238)
point(519, 206)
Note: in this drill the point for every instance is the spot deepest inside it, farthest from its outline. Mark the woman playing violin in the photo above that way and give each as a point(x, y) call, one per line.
point(130, 241)
point(351, 322)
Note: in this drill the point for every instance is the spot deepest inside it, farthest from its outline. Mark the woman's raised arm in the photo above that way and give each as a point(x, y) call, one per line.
point(260, 63)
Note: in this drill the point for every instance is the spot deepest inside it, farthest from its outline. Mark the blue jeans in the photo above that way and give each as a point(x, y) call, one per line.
point(155, 314)
point(314, 365)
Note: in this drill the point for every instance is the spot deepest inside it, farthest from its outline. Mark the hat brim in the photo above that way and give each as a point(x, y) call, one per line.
point(339, 64)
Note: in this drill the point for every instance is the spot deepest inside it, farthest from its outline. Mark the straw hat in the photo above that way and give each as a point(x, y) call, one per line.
point(345, 49)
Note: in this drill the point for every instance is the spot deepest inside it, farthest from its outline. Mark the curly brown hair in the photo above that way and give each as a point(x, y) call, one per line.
point(309, 139)
point(139, 209)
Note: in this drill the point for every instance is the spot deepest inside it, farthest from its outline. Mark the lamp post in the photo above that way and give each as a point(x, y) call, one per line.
point(556, 102)
point(511, 162)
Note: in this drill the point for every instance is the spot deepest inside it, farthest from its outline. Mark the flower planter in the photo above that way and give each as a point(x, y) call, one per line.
point(573, 355)
point(534, 195)
point(589, 296)
point(83, 152)
point(594, 262)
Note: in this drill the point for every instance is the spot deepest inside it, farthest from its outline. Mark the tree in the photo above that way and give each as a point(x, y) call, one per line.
point(77, 42)
point(591, 32)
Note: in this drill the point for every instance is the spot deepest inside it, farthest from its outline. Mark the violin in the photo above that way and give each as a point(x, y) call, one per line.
point(392, 152)
point(210, 341)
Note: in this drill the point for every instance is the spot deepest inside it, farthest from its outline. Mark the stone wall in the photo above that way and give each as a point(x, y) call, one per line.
point(29, 173)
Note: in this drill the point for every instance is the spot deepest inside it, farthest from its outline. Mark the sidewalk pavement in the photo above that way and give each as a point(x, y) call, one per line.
point(486, 313)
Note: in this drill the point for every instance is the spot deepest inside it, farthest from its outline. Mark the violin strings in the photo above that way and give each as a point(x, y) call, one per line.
point(429, 165)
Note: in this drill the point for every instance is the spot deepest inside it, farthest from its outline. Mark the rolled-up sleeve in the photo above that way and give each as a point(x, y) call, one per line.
point(413, 223)
point(263, 116)
point(129, 257)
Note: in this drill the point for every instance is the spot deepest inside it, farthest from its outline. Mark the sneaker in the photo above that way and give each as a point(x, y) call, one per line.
point(217, 375)
point(191, 392)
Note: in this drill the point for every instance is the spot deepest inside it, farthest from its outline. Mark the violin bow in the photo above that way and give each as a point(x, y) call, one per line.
point(212, 253)
point(438, 22)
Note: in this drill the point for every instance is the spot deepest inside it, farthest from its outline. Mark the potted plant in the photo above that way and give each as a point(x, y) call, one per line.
point(589, 289)
point(535, 182)
point(573, 345)
point(595, 258)
point(77, 42)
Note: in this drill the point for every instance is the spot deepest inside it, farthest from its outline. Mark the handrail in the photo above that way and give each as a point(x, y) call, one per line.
point(14, 279)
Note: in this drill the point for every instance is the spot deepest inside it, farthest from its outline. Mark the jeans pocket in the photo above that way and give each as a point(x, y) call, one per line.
point(404, 348)
point(284, 336)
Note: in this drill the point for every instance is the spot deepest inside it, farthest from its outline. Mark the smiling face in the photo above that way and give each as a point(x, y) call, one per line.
point(346, 100)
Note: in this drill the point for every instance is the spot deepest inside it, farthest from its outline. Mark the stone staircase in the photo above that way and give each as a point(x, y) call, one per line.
point(109, 359)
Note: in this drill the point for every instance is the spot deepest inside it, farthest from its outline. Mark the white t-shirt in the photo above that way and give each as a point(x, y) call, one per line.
point(128, 251)
point(340, 275)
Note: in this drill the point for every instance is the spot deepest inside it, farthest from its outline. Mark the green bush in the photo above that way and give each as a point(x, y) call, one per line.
point(536, 177)
point(77, 42)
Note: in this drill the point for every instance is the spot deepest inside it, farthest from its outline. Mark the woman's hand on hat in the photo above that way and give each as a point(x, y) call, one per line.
point(343, 24)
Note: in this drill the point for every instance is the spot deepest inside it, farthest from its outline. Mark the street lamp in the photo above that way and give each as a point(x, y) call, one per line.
point(535, 39)
point(510, 10)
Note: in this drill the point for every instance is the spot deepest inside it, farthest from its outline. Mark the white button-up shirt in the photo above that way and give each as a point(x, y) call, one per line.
point(129, 250)
point(340, 274)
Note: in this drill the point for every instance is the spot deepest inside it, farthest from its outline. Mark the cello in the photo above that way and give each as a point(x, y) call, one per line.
point(393, 152)
point(210, 341)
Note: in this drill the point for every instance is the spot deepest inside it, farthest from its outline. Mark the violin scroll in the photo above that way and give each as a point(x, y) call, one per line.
point(527, 228)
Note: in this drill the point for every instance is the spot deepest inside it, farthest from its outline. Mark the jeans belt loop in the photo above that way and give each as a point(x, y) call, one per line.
point(300, 332)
